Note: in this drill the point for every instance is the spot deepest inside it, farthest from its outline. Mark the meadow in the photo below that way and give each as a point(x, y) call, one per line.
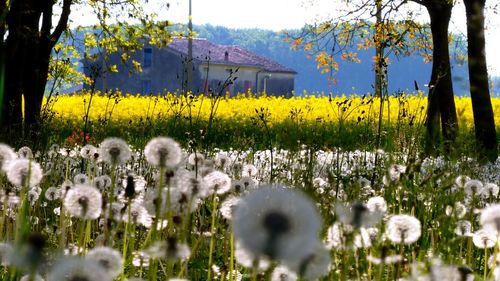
point(249, 188)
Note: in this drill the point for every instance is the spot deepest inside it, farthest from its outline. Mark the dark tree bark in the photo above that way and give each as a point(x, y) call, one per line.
point(484, 122)
point(441, 103)
point(27, 53)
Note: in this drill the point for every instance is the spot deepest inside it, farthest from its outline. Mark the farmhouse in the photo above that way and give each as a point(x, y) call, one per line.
point(165, 69)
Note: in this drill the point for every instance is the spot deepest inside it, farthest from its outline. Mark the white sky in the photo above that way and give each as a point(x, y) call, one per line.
point(292, 14)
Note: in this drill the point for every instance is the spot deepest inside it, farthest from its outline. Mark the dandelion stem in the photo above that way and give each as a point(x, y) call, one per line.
point(212, 235)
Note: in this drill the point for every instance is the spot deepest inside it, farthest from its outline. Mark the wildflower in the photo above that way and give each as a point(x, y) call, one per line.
point(459, 210)
point(489, 190)
point(403, 229)
point(249, 170)
point(473, 187)
point(218, 182)
point(377, 204)
point(138, 215)
point(248, 183)
point(33, 196)
point(140, 259)
point(464, 228)
point(222, 161)
point(490, 218)
point(385, 260)
point(83, 201)
point(283, 273)
point(88, 151)
point(6, 154)
point(114, 151)
point(110, 259)
point(52, 193)
point(484, 238)
point(169, 249)
point(357, 215)
point(81, 179)
point(24, 171)
point(163, 152)
point(461, 180)
point(102, 182)
point(76, 268)
point(190, 184)
point(277, 222)
point(228, 206)
point(25, 152)
point(196, 159)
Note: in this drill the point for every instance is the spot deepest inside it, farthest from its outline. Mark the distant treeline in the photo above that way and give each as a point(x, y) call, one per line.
point(352, 78)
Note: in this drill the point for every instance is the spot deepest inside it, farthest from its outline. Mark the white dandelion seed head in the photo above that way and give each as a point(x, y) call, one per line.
point(218, 182)
point(228, 206)
point(138, 215)
point(386, 260)
point(249, 170)
point(114, 151)
point(52, 193)
point(319, 182)
point(395, 172)
point(377, 204)
point(169, 249)
point(196, 159)
point(490, 217)
point(22, 171)
point(283, 273)
point(357, 215)
point(25, 152)
point(140, 259)
point(464, 228)
point(108, 258)
point(83, 201)
point(222, 161)
point(163, 151)
point(81, 179)
point(6, 154)
point(461, 180)
point(336, 236)
point(484, 238)
point(248, 183)
point(192, 185)
point(489, 190)
point(403, 229)
point(246, 259)
point(77, 268)
point(33, 196)
point(473, 187)
point(278, 222)
point(88, 151)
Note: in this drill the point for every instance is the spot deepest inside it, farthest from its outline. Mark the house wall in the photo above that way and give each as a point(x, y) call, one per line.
point(279, 84)
point(167, 73)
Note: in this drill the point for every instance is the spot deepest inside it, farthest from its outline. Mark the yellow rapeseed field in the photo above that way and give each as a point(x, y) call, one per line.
point(304, 109)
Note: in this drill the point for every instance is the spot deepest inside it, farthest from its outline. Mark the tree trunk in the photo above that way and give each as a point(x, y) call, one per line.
point(27, 53)
point(484, 122)
point(441, 103)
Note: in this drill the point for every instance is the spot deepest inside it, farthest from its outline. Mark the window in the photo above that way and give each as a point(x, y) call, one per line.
point(146, 87)
point(148, 58)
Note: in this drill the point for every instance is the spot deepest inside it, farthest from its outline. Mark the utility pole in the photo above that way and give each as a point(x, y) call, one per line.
point(189, 82)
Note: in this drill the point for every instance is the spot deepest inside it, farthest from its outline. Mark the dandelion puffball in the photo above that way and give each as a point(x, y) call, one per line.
point(277, 222)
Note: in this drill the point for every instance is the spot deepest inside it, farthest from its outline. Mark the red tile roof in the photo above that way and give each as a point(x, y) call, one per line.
point(204, 49)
